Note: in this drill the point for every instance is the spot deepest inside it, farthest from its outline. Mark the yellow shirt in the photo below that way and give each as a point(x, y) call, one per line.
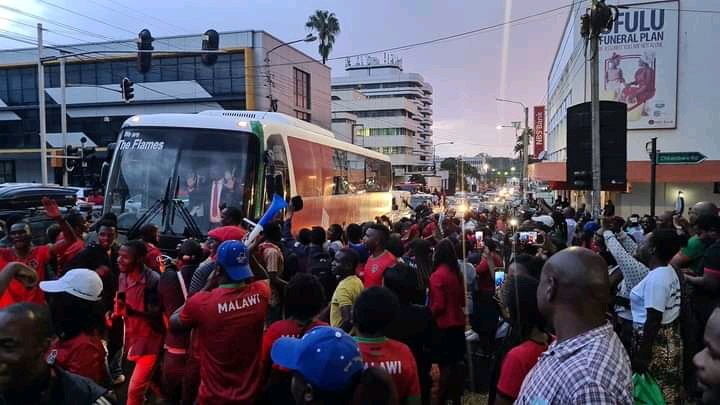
point(345, 294)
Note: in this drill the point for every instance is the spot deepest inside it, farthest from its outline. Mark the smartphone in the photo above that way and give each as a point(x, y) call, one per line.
point(479, 240)
point(499, 279)
point(529, 238)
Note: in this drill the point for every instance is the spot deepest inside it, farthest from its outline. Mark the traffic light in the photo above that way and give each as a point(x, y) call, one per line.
point(70, 152)
point(144, 43)
point(127, 90)
point(210, 42)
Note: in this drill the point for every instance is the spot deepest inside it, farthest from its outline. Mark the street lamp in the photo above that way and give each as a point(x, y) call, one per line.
point(523, 178)
point(435, 145)
point(273, 102)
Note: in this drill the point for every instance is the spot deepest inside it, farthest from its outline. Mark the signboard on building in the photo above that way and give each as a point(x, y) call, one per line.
point(638, 63)
point(538, 129)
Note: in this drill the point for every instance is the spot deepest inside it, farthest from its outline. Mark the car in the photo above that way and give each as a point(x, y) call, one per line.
point(24, 202)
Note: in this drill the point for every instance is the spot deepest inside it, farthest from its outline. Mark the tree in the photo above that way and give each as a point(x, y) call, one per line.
point(418, 178)
point(327, 26)
point(450, 164)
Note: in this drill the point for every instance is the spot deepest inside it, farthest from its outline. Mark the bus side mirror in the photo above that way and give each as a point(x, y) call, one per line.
point(104, 172)
point(110, 151)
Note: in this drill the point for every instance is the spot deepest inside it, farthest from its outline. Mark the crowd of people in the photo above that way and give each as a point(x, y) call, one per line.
point(560, 308)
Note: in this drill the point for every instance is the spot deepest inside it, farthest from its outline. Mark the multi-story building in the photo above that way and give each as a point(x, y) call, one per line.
point(656, 60)
point(393, 111)
point(240, 79)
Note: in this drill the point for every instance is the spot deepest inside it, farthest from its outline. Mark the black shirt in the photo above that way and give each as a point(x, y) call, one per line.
point(172, 298)
point(414, 326)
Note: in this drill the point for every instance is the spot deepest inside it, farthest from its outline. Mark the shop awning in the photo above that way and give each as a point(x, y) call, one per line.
point(80, 99)
point(637, 172)
point(7, 115)
point(55, 140)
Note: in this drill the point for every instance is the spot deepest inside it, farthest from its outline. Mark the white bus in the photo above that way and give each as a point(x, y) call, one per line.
point(226, 158)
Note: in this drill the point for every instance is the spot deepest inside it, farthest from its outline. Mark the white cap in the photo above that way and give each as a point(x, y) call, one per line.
point(82, 283)
point(545, 220)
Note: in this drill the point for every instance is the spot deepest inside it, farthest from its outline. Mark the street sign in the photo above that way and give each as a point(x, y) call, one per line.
point(674, 158)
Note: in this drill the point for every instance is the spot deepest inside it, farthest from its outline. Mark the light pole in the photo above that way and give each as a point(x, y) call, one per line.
point(523, 178)
point(434, 146)
point(352, 132)
point(273, 102)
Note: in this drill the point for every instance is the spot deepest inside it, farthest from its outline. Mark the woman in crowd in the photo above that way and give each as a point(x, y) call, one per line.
point(447, 303)
point(304, 299)
point(528, 338)
point(78, 348)
point(655, 304)
point(327, 369)
point(419, 258)
point(485, 321)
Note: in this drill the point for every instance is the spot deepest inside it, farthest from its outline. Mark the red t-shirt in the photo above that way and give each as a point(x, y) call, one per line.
point(395, 358)
point(429, 230)
point(375, 268)
point(82, 355)
point(447, 298)
point(228, 323)
point(516, 365)
point(66, 252)
point(284, 328)
point(485, 282)
point(16, 291)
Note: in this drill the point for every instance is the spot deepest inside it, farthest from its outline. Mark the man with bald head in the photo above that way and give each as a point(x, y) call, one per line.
point(26, 377)
point(587, 364)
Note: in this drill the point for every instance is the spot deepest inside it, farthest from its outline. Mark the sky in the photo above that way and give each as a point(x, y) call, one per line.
point(467, 74)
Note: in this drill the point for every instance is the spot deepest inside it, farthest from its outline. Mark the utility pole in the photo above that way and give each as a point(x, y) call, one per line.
point(595, 114)
point(524, 183)
point(63, 118)
point(653, 174)
point(41, 104)
point(592, 26)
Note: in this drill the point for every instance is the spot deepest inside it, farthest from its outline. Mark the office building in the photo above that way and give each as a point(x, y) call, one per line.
point(178, 83)
point(392, 112)
point(656, 59)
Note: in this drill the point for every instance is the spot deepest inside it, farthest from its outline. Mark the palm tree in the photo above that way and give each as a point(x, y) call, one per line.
point(327, 27)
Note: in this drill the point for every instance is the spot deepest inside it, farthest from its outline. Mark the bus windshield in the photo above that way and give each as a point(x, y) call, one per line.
point(212, 169)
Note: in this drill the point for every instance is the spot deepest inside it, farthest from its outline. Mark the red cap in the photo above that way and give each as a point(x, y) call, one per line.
point(224, 233)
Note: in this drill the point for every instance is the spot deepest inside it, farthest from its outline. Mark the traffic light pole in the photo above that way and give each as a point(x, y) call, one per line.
point(595, 120)
point(653, 175)
point(41, 104)
point(63, 118)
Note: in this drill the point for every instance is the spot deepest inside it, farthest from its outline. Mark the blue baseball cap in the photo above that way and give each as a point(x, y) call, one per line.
point(326, 357)
point(232, 256)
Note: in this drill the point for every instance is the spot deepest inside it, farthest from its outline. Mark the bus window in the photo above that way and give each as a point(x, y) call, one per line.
point(378, 176)
point(276, 147)
point(307, 165)
point(356, 173)
point(340, 172)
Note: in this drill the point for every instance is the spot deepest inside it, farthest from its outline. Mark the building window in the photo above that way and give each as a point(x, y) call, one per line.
point(302, 115)
point(302, 89)
point(7, 171)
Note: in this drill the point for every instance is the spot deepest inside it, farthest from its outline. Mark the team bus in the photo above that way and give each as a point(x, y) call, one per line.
point(179, 170)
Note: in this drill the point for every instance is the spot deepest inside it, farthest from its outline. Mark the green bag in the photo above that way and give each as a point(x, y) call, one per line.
point(646, 391)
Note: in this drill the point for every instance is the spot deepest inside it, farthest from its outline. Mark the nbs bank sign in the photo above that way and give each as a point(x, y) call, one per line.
point(638, 63)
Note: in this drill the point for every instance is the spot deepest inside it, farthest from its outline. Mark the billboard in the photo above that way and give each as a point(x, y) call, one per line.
point(538, 129)
point(638, 63)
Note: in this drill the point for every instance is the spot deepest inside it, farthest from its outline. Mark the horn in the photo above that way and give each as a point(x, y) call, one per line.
point(278, 204)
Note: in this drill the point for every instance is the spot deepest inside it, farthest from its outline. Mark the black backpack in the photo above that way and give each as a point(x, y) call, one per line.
point(320, 265)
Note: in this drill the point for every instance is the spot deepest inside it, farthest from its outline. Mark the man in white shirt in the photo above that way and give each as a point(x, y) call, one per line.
point(569, 214)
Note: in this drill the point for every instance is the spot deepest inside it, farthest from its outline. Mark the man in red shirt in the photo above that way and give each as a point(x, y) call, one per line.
point(373, 312)
point(35, 257)
point(138, 303)
point(380, 259)
point(228, 321)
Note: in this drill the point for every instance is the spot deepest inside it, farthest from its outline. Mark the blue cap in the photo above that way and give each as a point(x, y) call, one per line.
point(591, 227)
point(326, 357)
point(232, 256)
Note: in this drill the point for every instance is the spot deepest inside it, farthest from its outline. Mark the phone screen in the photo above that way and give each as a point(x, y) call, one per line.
point(499, 279)
point(529, 238)
point(479, 240)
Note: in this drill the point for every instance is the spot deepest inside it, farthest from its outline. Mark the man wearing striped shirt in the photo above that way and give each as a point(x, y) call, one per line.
point(587, 364)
